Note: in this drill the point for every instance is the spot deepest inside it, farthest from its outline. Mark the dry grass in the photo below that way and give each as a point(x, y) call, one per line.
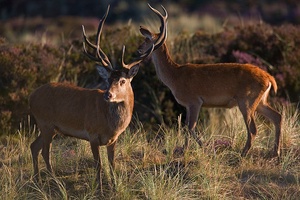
point(150, 169)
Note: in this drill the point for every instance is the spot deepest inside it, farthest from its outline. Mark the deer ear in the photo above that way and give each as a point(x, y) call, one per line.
point(145, 32)
point(103, 72)
point(133, 71)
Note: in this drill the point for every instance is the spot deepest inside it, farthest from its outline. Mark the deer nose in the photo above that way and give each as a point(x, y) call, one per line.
point(108, 96)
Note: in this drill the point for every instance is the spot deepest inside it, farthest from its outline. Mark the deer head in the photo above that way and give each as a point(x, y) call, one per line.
point(114, 79)
point(154, 39)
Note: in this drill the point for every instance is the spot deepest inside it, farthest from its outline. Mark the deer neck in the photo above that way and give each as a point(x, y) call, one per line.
point(164, 65)
point(120, 114)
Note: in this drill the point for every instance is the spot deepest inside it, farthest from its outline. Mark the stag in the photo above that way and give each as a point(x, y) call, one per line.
point(213, 85)
point(96, 115)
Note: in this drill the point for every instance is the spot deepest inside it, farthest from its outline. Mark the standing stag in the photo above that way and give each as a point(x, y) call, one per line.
point(213, 85)
point(96, 115)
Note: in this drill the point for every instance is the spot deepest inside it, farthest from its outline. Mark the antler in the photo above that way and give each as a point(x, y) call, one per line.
point(163, 28)
point(100, 55)
point(141, 58)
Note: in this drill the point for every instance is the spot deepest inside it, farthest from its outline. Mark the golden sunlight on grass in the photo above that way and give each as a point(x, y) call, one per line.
point(150, 169)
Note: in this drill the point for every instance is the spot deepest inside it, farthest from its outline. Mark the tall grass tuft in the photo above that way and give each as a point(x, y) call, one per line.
point(150, 168)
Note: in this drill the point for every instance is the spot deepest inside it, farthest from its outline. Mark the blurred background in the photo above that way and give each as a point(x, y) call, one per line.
point(188, 15)
point(41, 42)
point(271, 11)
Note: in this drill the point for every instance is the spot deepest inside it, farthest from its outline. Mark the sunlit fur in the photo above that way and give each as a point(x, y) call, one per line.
point(214, 85)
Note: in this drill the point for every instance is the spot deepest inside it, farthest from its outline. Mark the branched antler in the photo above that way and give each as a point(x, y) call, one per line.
point(100, 56)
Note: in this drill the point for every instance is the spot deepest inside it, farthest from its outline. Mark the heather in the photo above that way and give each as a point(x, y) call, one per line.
point(27, 65)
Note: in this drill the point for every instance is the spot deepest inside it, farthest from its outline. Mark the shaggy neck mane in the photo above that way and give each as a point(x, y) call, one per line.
point(119, 117)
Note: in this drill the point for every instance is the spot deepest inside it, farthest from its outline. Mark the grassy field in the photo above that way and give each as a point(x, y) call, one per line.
point(151, 169)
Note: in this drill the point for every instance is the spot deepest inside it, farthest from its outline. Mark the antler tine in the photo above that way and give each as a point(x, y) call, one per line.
point(88, 54)
point(86, 39)
point(163, 18)
point(147, 53)
point(163, 28)
point(100, 52)
point(100, 55)
point(100, 26)
point(122, 59)
point(105, 60)
point(141, 58)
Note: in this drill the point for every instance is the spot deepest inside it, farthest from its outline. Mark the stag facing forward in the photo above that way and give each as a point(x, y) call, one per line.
point(96, 115)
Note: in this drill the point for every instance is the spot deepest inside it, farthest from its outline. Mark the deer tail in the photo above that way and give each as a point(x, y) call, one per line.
point(273, 82)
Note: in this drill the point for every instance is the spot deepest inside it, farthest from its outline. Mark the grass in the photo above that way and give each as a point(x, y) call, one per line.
point(149, 169)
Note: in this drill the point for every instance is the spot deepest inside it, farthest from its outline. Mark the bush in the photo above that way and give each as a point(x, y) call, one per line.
point(24, 67)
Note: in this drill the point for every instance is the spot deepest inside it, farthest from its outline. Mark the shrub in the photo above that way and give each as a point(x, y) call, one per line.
point(24, 67)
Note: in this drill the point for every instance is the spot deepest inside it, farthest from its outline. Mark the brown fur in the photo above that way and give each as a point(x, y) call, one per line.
point(213, 85)
point(97, 116)
point(87, 114)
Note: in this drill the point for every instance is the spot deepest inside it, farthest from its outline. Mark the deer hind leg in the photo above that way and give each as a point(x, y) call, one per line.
point(42, 142)
point(276, 119)
point(248, 115)
point(192, 113)
point(35, 148)
point(268, 112)
point(47, 134)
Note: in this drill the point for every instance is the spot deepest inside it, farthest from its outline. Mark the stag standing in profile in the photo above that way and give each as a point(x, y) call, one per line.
point(213, 85)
